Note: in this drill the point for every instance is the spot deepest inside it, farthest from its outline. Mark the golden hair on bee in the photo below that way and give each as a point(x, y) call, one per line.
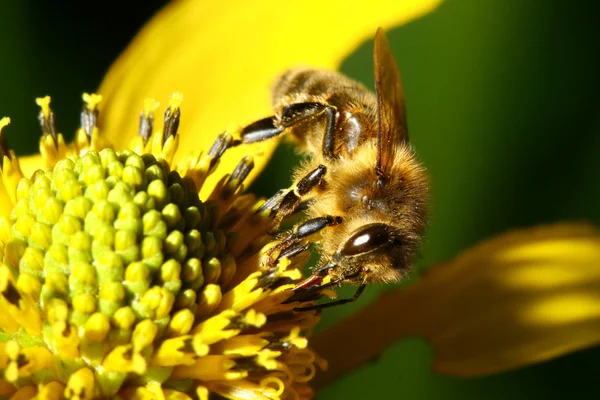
point(366, 192)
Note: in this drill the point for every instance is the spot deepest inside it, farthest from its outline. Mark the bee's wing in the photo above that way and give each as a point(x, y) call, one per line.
point(391, 117)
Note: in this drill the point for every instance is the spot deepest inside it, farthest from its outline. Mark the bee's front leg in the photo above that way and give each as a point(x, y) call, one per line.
point(361, 288)
point(293, 238)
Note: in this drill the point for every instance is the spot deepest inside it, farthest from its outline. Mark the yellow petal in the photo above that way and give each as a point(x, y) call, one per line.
point(224, 55)
point(517, 299)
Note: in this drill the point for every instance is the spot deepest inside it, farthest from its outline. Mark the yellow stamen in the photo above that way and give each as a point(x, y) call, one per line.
point(143, 334)
point(211, 367)
point(241, 345)
point(92, 100)
point(81, 385)
point(50, 391)
point(44, 104)
point(274, 383)
point(175, 101)
point(11, 174)
point(267, 358)
point(4, 122)
point(25, 393)
point(176, 351)
point(124, 359)
point(150, 106)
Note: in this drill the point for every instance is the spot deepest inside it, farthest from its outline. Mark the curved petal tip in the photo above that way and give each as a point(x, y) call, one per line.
point(517, 299)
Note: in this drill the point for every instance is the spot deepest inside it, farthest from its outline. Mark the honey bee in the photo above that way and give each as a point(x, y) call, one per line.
point(368, 192)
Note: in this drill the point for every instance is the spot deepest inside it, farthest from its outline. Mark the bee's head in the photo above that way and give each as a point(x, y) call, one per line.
point(379, 249)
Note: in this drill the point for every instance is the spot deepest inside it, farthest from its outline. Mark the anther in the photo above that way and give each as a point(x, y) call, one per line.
point(11, 294)
point(239, 174)
point(46, 117)
point(222, 143)
point(246, 364)
point(4, 147)
point(147, 119)
point(279, 345)
point(236, 322)
point(89, 113)
point(273, 202)
point(172, 116)
point(243, 168)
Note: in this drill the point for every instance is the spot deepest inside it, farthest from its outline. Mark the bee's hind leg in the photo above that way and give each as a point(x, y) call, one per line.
point(293, 115)
point(260, 130)
point(297, 113)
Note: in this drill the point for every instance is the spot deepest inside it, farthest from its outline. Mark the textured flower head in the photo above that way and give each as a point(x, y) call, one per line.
point(117, 279)
point(120, 281)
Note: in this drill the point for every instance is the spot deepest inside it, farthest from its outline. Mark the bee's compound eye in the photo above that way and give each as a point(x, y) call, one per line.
point(367, 238)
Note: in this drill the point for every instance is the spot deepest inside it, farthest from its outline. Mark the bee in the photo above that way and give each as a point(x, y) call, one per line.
point(368, 192)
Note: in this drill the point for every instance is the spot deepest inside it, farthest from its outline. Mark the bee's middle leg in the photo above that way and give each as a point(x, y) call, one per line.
point(292, 199)
point(295, 236)
point(286, 202)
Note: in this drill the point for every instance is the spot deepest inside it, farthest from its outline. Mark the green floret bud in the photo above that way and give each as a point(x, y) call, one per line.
point(172, 216)
point(137, 278)
point(126, 245)
point(210, 245)
point(144, 202)
point(152, 254)
point(97, 191)
point(193, 241)
point(78, 207)
point(94, 173)
point(32, 261)
point(158, 191)
point(170, 275)
point(22, 228)
point(154, 225)
point(14, 251)
point(115, 169)
point(212, 270)
point(177, 193)
point(80, 245)
point(108, 240)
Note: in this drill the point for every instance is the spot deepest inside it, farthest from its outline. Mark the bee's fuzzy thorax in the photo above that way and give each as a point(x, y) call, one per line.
point(401, 202)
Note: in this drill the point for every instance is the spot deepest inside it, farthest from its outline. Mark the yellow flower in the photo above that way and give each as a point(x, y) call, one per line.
point(118, 280)
point(130, 268)
point(111, 324)
point(517, 299)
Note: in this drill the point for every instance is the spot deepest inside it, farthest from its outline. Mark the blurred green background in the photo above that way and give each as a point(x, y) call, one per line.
point(504, 110)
